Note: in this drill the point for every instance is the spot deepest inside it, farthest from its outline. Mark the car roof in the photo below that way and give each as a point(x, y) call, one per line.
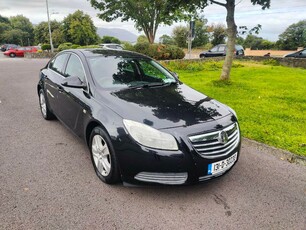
point(105, 52)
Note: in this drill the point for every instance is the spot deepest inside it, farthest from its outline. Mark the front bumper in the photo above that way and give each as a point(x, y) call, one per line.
point(141, 165)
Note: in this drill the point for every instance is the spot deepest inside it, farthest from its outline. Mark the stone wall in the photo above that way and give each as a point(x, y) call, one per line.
point(40, 55)
point(290, 62)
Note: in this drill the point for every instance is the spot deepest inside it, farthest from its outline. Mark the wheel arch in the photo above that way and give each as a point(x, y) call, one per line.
point(90, 126)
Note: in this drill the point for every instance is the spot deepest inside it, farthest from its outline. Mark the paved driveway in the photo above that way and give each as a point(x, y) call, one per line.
point(47, 180)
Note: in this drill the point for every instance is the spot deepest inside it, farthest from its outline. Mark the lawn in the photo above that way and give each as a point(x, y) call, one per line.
point(270, 101)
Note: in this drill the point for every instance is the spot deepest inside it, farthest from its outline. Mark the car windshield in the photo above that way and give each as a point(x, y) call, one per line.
point(114, 72)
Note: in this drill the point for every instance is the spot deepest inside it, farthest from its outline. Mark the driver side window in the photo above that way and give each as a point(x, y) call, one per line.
point(75, 68)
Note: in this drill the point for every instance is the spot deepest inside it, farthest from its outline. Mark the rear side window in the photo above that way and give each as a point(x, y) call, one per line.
point(57, 64)
point(221, 48)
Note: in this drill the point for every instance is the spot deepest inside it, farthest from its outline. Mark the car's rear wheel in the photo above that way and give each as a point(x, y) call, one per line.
point(103, 156)
point(12, 55)
point(46, 113)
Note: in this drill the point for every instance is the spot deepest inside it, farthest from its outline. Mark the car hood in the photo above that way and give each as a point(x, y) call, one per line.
point(165, 107)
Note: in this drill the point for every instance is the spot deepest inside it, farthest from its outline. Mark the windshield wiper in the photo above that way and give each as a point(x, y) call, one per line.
point(149, 85)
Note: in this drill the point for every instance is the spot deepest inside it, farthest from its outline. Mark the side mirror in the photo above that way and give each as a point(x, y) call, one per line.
point(73, 82)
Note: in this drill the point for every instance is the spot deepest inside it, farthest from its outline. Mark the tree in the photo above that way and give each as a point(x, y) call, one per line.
point(147, 15)
point(110, 39)
point(180, 34)
point(166, 40)
point(201, 33)
point(293, 37)
point(15, 36)
point(142, 39)
point(78, 28)
point(23, 24)
point(41, 32)
point(255, 42)
point(229, 5)
point(218, 34)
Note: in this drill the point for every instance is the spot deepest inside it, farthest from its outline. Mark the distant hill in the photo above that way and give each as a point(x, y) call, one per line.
point(121, 34)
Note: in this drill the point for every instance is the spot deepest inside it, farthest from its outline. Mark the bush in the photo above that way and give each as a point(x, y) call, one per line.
point(272, 62)
point(46, 47)
point(159, 51)
point(64, 46)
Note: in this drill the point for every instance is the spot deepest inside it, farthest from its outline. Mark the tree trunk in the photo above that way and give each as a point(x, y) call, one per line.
point(231, 39)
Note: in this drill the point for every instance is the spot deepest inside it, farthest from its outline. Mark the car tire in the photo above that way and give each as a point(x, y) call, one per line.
point(46, 113)
point(103, 156)
point(202, 56)
point(12, 55)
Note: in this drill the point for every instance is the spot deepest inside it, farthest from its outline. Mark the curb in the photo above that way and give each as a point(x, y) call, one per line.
point(279, 153)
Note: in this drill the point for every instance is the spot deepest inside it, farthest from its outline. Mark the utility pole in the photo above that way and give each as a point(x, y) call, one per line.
point(191, 35)
point(49, 25)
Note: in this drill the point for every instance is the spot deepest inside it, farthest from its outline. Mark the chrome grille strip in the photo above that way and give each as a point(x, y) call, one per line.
point(208, 146)
point(162, 178)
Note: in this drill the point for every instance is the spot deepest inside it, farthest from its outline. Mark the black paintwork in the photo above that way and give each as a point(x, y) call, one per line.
point(216, 52)
point(298, 54)
point(175, 108)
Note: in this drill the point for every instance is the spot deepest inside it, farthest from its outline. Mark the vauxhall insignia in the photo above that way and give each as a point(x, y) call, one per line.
point(223, 137)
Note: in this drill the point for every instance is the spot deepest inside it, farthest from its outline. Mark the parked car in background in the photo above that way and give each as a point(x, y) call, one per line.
point(19, 52)
point(140, 123)
point(112, 46)
point(298, 54)
point(6, 47)
point(220, 50)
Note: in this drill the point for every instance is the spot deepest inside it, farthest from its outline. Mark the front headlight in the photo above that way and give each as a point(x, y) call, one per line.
point(149, 136)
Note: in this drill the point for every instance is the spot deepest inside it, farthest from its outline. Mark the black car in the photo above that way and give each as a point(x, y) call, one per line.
point(220, 50)
point(6, 47)
point(298, 54)
point(141, 124)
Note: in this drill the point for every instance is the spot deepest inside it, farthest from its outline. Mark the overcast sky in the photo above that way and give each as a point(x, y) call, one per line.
point(274, 21)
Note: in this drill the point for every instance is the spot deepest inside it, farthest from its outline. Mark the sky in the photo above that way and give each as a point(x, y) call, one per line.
point(274, 21)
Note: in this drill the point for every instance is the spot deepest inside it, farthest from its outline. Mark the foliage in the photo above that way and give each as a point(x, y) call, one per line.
point(69, 45)
point(142, 39)
point(147, 15)
point(166, 40)
point(14, 36)
point(218, 34)
point(293, 37)
point(78, 28)
point(127, 46)
point(255, 42)
point(159, 51)
point(201, 33)
point(41, 32)
point(23, 24)
point(270, 108)
point(271, 62)
point(110, 39)
point(180, 34)
point(46, 47)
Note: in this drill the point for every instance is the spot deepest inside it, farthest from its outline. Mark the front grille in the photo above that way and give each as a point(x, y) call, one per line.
point(162, 178)
point(209, 145)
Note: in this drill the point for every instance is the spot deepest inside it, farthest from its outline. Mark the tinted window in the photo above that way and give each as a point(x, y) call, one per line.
point(214, 49)
point(75, 68)
point(303, 53)
point(221, 48)
point(57, 64)
point(111, 72)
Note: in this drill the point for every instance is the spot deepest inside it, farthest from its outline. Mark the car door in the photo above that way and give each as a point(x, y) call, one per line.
point(73, 101)
point(221, 50)
point(53, 79)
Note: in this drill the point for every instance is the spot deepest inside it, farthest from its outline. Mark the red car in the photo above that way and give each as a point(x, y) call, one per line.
point(19, 52)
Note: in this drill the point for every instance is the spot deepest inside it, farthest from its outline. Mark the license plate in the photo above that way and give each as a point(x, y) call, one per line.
point(221, 166)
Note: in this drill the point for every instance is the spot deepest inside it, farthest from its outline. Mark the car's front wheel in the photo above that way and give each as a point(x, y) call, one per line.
point(103, 156)
point(44, 107)
point(12, 55)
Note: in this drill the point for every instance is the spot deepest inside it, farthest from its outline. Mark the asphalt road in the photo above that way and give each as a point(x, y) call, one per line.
point(47, 180)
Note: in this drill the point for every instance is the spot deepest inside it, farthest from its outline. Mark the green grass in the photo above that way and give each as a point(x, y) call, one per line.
point(270, 100)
